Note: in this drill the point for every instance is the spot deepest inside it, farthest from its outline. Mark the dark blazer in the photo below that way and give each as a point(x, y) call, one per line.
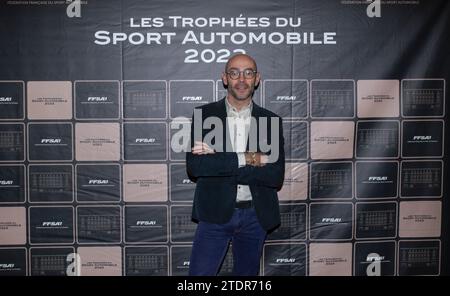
point(217, 175)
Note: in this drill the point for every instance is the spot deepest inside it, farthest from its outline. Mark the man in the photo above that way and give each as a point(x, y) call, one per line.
point(236, 193)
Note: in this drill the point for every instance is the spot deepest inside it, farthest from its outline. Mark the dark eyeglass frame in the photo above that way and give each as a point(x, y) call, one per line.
point(245, 72)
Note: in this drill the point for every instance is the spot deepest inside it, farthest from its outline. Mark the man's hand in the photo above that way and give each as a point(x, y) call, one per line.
point(255, 159)
point(201, 148)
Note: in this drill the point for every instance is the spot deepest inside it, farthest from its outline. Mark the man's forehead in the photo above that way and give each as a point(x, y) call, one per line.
point(241, 61)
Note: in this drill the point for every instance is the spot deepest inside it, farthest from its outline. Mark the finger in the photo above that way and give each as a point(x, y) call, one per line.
point(206, 146)
point(208, 149)
point(264, 159)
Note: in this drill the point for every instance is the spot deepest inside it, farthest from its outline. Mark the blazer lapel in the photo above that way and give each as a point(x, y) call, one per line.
point(254, 126)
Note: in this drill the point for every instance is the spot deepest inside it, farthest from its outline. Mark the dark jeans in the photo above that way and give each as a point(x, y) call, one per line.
point(211, 244)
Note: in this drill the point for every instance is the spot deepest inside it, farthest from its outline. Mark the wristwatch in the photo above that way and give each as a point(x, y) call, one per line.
point(252, 160)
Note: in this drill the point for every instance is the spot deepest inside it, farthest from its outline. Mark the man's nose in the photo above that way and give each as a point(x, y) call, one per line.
point(241, 76)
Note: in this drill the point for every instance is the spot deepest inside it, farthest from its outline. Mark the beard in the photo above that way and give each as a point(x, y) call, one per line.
point(241, 90)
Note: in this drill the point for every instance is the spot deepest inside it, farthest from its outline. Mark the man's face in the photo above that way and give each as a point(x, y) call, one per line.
point(242, 87)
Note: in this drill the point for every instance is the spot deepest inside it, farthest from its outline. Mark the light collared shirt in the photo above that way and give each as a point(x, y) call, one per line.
point(239, 126)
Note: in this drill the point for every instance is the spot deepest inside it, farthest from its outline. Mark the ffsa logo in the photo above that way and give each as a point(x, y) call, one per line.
point(74, 8)
point(73, 264)
point(374, 8)
point(374, 267)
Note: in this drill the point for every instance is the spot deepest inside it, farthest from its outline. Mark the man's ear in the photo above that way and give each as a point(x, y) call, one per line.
point(224, 79)
point(257, 79)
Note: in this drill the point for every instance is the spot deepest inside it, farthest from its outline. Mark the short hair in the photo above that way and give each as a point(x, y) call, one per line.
point(238, 55)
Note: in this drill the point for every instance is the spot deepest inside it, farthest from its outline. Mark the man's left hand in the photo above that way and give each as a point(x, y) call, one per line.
point(201, 148)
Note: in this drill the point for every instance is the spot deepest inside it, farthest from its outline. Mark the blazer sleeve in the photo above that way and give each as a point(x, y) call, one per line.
point(270, 175)
point(219, 164)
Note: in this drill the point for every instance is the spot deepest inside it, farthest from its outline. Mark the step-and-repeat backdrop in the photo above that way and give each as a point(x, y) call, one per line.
point(95, 96)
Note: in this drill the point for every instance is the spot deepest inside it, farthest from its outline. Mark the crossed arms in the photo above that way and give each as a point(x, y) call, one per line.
point(202, 162)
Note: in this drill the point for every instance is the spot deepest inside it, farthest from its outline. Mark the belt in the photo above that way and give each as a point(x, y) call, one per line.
point(246, 204)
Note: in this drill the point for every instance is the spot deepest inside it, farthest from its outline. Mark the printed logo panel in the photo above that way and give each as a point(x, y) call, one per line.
point(51, 261)
point(12, 100)
point(51, 225)
point(286, 98)
point(145, 224)
point(50, 141)
point(97, 99)
point(284, 259)
point(375, 258)
point(333, 98)
point(144, 99)
point(377, 139)
point(419, 257)
point(50, 183)
point(98, 183)
point(12, 184)
point(421, 178)
point(331, 180)
point(146, 261)
point(423, 97)
point(12, 142)
point(98, 224)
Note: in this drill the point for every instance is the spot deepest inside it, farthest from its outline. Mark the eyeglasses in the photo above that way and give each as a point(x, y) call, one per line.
point(235, 73)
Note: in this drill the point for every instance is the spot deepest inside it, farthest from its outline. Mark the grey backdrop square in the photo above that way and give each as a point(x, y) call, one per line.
point(295, 140)
point(332, 98)
point(51, 225)
point(293, 223)
point(287, 98)
point(144, 224)
point(49, 261)
point(423, 97)
point(182, 131)
point(182, 228)
point(98, 183)
point(375, 258)
point(145, 141)
point(376, 179)
point(377, 139)
point(185, 95)
point(180, 260)
point(422, 138)
point(376, 220)
point(146, 261)
point(419, 257)
point(421, 178)
point(331, 221)
point(144, 99)
point(12, 184)
point(12, 142)
point(284, 259)
point(181, 187)
point(11, 100)
point(13, 261)
point(51, 183)
point(50, 141)
point(98, 224)
point(331, 180)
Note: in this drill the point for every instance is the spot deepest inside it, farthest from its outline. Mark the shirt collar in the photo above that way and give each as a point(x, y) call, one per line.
point(244, 109)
